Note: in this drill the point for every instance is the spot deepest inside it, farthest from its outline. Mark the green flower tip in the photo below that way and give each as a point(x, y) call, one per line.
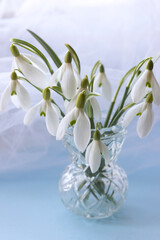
point(149, 65)
point(96, 135)
point(149, 98)
point(14, 50)
point(13, 75)
point(46, 94)
point(68, 57)
point(84, 82)
point(101, 68)
point(81, 100)
point(138, 73)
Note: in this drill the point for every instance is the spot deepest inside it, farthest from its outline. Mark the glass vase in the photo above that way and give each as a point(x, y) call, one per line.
point(97, 195)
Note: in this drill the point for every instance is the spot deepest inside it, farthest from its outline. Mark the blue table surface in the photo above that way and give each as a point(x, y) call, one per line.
point(31, 209)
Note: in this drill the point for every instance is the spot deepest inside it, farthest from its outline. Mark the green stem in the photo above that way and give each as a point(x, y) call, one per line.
point(115, 120)
point(115, 96)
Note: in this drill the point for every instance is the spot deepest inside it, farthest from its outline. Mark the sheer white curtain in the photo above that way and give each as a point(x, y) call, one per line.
point(120, 33)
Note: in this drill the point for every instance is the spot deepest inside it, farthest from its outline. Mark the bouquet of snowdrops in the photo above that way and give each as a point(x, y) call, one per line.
point(82, 110)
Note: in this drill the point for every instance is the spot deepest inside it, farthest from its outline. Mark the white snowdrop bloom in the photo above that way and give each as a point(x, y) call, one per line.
point(94, 153)
point(147, 79)
point(93, 101)
point(68, 78)
point(31, 67)
point(17, 93)
point(102, 81)
point(145, 121)
point(82, 127)
point(47, 109)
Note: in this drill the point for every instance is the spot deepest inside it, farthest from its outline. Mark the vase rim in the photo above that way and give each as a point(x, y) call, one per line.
point(106, 132)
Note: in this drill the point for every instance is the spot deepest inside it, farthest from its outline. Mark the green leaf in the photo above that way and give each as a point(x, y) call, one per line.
point(33, 49)
point(94, 69)
point(50, 51)
point(75, 57)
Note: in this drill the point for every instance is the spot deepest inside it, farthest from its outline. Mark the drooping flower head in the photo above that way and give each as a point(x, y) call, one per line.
point(93, 101)
point(102, 82)
point(146, 116)
point(82, 127)
point(16, 92)
point(47, 109)
point(146, 81)
point(30, 67)
point(95, 150)
point(67, 77)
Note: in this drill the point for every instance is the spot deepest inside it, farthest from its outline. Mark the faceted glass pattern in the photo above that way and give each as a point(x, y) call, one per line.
point(96, 195)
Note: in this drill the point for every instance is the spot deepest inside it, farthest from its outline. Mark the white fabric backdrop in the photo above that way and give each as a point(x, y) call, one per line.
point(120, 33)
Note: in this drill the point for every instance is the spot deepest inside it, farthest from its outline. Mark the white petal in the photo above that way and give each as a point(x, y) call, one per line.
point(139, 89)
point(33, 74)
point(95, 157)
point(31, 114)
point(14, 65)
point(155, 90)
point(68, 83)
point(54, 106)
point(105, 152)
point(145, 122)
point(5, 98)
point(98, 80)
point(70, 105)
point(55, 77)
point(15, 101)
point(82, 131)
point(132, 113)
point(78, 78)
point(64, 124)
point(96, 108)
point(23, 96)
point(88, 152)
point(52, 120)
point(42, 66)
point(106, 88)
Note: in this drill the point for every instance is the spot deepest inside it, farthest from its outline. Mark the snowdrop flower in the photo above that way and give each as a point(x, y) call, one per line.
point(82, 127)
point(48, 110)
point(16, 92)
point(30, 67)
point(102, 81)
point(94, 153)
point(147, 79)
point(145, 121)
point(68, 78)
point(93, 101)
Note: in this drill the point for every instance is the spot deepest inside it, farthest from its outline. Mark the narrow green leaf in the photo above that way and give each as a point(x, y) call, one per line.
point(94, 69)
point(75, 57)
point(25, 44)
point(50, 51)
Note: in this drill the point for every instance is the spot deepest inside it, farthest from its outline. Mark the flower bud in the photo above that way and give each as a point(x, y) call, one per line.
point(101, 68)
point(46, 94)
point(13, 75)
point(81, 100)
point(14, 50)
point(68, 57)
point(149, 98)
point(149, 65)
point(96, 135)
point(84, 82)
